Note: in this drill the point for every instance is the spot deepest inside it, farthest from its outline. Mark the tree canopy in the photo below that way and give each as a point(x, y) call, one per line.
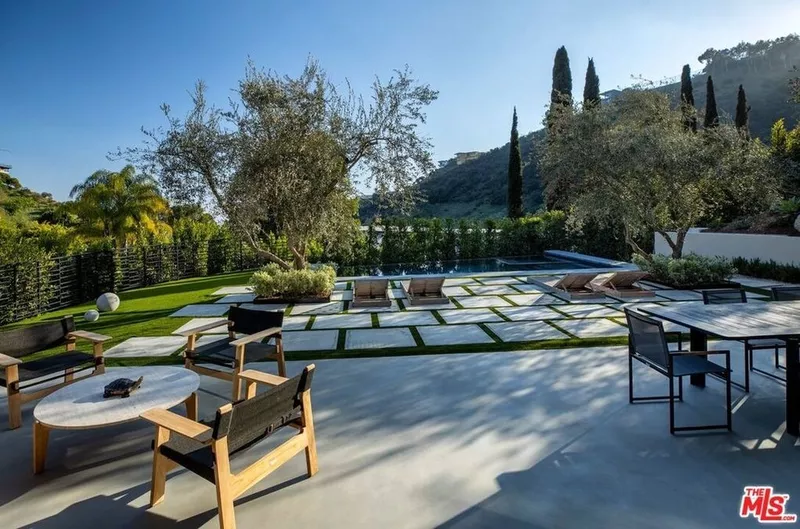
point(514, 172)
point(712, 115)
point(285, 156)
point(591, 88)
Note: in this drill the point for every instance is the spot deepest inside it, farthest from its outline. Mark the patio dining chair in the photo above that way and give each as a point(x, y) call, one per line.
point(648, 345)
point(738, 295)
point(234, 353)
point(207, 448)
point(18, 373)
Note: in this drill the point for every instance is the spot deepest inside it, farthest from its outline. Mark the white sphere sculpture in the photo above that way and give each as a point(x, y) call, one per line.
point(108, 302)
point(91, 315)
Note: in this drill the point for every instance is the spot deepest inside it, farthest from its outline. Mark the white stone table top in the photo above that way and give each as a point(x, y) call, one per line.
point(81, 404)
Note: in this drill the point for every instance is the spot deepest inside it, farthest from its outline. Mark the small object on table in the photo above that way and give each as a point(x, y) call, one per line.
point(122, 387)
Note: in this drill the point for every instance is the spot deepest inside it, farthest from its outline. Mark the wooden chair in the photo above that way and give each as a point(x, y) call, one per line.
point(425, 291)
point(206, 448)
point(371, 293)
point(256, 325)
point(621, 285)
point(18, 374)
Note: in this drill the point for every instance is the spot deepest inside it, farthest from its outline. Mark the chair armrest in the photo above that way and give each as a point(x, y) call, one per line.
point(201, 328)
point(251, 375)
point(6, 361)
point(699, 353)
point(175, 423)
point(91, 336)
point(257, 337)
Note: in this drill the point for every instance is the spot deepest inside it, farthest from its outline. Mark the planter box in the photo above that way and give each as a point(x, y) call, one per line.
point(308, 299)
point(699, 286)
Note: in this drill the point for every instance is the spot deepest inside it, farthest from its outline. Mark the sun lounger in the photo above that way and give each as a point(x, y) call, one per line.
point(621, 284)
point(568, 286)
point(425, 291)
point(371, 293)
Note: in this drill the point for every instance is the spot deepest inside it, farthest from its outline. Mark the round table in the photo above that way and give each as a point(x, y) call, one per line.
point(81, 406)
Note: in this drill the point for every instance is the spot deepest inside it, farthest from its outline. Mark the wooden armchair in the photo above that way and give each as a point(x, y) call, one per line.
point(206, 448)
point(257, 326)
point(17, 374)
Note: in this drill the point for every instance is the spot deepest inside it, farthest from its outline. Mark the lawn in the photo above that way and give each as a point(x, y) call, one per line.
point(145, 311)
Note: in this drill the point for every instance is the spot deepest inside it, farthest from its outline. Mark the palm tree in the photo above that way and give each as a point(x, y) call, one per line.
point(112, 204)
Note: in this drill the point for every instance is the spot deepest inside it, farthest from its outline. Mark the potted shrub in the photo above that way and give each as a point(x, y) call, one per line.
point(690, 272)
point(272, 284)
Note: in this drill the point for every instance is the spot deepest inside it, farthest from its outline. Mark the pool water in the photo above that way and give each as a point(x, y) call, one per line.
point(469, 266)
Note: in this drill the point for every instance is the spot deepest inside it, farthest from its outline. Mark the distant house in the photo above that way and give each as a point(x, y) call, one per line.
point(610, 95)
point(464, 157)
point(4, 168)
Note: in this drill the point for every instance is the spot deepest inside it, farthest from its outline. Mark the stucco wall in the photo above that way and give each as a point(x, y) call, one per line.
point(779, 248)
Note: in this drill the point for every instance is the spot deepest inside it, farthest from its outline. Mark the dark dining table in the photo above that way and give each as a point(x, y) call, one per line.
point(743, 321)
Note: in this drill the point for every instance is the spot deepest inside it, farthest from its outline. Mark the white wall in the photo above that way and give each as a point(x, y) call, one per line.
point(779, 248)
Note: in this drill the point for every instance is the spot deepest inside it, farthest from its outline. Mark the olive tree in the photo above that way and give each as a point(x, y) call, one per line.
point(286, 153)
point(630, 161)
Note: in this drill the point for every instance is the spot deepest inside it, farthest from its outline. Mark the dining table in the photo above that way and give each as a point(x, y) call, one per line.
point(743, 321)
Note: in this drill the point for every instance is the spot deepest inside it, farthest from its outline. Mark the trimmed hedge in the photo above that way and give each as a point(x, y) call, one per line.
point(767, 270)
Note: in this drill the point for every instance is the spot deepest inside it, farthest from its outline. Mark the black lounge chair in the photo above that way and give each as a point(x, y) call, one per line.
point(18, 374)
point(738, 295)
point(256, 325)
point(648, 345)
point(206, 448)
point(786, 293)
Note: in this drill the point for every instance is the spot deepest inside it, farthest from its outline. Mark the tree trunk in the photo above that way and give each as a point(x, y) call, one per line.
point(299, 252)
point(635, 246)
point(677, 245)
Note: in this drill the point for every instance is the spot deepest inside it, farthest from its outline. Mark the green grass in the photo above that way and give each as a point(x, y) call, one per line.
point(144, 311)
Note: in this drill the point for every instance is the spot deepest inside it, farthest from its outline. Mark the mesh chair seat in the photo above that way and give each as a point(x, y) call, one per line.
point(47, 366)
point(224, 354)
point(193, 454)
point(694, 365)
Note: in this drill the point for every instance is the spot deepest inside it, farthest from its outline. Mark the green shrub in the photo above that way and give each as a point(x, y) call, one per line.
point(691, 270)
point(273, 281)
point(767, 270)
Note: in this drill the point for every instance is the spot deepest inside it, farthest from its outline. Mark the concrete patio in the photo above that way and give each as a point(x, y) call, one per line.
point(533, 440)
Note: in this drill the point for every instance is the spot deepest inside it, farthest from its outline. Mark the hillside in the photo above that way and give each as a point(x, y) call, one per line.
point(764, 68)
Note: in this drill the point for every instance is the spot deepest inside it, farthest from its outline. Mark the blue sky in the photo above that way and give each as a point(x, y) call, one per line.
point(80, 78)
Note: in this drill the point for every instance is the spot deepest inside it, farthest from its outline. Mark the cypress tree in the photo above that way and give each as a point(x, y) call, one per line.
point(742, 111)
point(514, 173)
point(712, 116)
point(687, 100)
point(561, 94)
point(591, 89)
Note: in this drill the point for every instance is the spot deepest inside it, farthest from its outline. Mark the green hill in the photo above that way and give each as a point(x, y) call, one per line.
point(478, 187)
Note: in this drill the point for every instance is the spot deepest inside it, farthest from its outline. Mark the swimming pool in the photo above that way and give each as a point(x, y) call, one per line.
point(468, 266)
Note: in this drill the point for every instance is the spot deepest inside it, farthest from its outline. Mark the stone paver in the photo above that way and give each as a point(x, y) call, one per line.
point(333, 307)
point(455, 281)
point(437, 306)
point(469, 316)
point(474, 302)
point(493, 290)
point(232, 299)
point(342, 321)
point(453, 334)
point(500, 281)
point(535, 299)
point(224, 291)
point(310, 340)
point(396, 293)
point(754, 282)
point(530, 313)
point(394, 307)
point(592, 328)
point(340, 285)
point(342, 295)
point(146, 346)
point(209, 309)
point(527, 287)
point(594, 300)
point(454, 291)
point(526, 331)
point(295, 323)
point(265, 306)
point(379, 338)
point(679, 295)
point(589, 311)
point(404, 319)
point(196, 322)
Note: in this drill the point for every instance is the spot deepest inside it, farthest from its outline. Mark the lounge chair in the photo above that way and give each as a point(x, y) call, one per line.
point(425, 291)
point(371, 293)
point(207, 448)
point(18, 371)
point(568, 287)
point(621, 284)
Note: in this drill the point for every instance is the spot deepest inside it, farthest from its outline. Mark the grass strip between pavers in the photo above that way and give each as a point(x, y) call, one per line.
point(438, 317)
point(469, 290)
point(504, 298)
point(417, 338)
point(375, 321)
point(310, 322)
point(503, 316)
point(401, 305)
point(485, 328)
point(553, 324)
point(455, 302)
point(566, 315)
point(341, 338)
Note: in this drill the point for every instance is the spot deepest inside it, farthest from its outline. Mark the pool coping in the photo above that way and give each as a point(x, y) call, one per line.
point(503, 273)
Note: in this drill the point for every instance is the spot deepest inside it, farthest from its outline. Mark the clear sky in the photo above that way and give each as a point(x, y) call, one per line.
point(80, 78)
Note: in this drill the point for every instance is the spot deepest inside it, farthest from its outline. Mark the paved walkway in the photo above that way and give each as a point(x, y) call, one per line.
point(531, 440)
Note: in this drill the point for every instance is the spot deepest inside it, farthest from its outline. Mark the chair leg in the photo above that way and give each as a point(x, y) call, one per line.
point(728, 391)
point(238, 367)
point(14, 397)
point(630, 379)
point(671, 406)
point(160, 465)
point(308, 429)
point(68, 375)
point(281, 357)
point(680, 389)
point(222, 475)
point(747, 358)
